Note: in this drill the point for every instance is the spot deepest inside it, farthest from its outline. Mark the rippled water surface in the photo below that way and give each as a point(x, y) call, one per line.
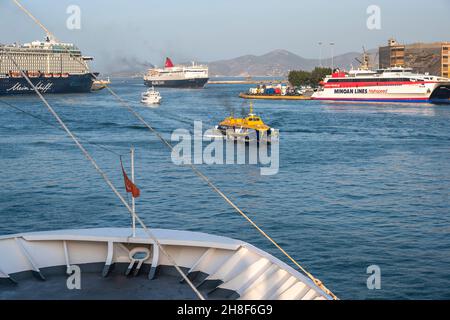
point(359, 184)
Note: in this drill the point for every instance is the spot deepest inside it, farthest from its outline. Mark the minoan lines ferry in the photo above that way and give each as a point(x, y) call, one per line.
point(384, 85)
point(52, 67)
point(171, 76)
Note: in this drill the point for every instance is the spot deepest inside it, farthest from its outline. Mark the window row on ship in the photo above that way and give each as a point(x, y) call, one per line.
point(347, 80)
point(43, 63)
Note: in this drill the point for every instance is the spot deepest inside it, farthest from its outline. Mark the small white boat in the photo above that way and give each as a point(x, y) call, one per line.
point(151, 96)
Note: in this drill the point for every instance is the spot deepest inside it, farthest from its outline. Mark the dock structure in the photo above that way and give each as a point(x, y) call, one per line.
point(273, 97)
point(249, 81)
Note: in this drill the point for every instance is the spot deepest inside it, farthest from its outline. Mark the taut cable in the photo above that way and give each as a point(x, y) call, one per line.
point(107, 180)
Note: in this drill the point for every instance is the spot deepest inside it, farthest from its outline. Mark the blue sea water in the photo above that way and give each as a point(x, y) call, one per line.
point(358, 184)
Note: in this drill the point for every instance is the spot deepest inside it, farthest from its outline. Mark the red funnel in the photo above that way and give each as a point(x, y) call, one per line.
point(169, 63)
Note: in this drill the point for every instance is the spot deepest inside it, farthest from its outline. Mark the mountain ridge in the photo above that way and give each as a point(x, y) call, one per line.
point(276, 63)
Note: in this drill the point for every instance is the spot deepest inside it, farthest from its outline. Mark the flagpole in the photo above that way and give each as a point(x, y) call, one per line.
point(133, 205)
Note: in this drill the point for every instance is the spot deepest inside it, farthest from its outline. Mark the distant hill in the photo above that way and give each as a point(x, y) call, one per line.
point(127, 67)
point(276, 63)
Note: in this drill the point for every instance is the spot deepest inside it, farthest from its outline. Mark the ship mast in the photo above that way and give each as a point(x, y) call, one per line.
point(251, 108)
point(133, 204)
point(366, 60)
point(50, 35)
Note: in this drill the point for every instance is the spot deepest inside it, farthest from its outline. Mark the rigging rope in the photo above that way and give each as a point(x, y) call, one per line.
point(107, 180)
point(231, 203)
point(34, 19)
point(196, 171)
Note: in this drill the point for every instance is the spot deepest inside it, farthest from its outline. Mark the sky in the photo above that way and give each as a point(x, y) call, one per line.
point(146, 31)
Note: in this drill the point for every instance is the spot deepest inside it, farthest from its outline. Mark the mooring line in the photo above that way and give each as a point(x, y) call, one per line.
point(204, 177)
point(107, 180)
point(231, 203)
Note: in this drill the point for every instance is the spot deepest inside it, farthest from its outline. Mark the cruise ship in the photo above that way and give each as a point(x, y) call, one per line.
point(52, 67)
point(395, 84)
point(171, 76)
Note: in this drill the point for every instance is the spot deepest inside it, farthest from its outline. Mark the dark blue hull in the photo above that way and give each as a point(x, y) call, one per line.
point(184, 83)
point(70, 84)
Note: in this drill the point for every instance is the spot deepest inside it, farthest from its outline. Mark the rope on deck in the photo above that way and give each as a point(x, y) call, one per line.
point(193, 167)
point(34, 19)
point(107, 180)
point(218, 191)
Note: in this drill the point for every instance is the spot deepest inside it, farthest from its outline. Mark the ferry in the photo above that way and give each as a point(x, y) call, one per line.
point(52, 67)
point(396, 84)
point(171, 76)
point(151, 96)
point(247, 129)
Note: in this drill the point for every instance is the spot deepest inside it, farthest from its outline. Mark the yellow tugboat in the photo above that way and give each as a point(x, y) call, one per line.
point(247, 129)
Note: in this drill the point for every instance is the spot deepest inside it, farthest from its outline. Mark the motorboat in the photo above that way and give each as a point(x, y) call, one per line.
point(151, 96)
point(249, 128)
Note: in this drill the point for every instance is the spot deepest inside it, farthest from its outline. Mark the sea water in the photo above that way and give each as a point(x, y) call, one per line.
point(358, 184)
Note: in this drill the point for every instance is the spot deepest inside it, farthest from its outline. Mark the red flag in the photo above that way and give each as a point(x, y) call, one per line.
point(169, 63)
point(129, 185)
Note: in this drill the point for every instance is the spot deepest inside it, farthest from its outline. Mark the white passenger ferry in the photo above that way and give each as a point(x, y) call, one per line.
point(177, 76)
point(383, 85)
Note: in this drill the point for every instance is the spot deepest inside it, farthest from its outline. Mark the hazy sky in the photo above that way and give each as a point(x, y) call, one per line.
point(206, 30)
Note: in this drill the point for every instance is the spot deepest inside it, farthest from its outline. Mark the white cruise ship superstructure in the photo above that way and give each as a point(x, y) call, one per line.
point(51, 66)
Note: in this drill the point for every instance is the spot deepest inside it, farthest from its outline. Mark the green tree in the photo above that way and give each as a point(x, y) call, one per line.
point(318, 74)
point(299, 78)
point(305, 78)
